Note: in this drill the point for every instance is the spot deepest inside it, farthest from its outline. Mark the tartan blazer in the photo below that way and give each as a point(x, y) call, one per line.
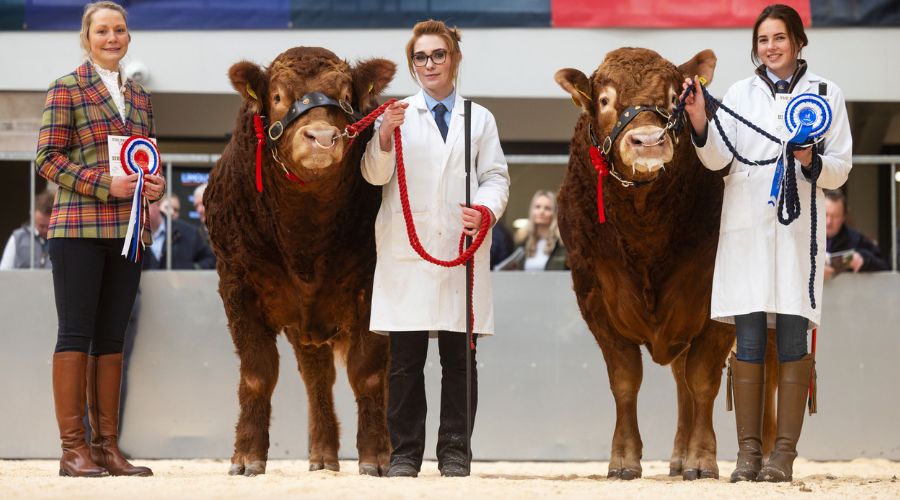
point(72, 151)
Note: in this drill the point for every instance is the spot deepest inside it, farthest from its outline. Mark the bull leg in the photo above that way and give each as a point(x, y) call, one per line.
point(705, 362)
point(623, 364)
point(255, 346)
point(685, 416)
point(318, 372)
point(367, 369)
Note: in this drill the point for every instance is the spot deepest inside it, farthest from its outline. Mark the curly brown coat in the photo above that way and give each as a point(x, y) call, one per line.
point(300, 258)
point(645, 276)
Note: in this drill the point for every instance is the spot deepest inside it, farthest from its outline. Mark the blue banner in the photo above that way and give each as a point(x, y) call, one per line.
point(167, 14)
point(405, 13)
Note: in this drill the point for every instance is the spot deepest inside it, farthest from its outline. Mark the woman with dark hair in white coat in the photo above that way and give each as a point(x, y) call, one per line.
point(762, 275)
point(414, 299)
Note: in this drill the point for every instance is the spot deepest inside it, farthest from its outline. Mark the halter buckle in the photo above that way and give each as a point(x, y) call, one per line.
point(607, 145)
point(273, 135)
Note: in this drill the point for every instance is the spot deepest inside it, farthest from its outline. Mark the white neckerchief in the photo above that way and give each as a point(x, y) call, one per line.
point(111, 81)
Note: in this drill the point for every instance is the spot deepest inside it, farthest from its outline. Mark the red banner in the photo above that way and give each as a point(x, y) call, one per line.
point(664, 13)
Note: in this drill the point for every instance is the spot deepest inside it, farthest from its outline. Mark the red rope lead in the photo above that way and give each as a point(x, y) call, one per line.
point(260, 141)
point(601, 165)
point(464, 256)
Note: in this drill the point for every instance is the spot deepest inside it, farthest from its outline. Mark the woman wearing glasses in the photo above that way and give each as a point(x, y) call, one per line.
point(413, 299)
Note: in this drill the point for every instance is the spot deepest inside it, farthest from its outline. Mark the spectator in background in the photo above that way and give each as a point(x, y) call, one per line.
point(171, 205)
point(201, 211)
point(540, 247)
point(189, 249)
point(17, 254)
point(501, 243)
point(865, 255)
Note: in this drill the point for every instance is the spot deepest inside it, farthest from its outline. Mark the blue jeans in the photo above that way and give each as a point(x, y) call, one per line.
point(790, 333)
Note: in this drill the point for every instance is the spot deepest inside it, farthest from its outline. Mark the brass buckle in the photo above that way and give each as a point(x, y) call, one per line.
point(280, 131)
point(346, 106)
point(607, 145)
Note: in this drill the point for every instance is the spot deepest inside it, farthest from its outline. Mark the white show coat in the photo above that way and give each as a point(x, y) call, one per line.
point(411, 294)
point(762, 265)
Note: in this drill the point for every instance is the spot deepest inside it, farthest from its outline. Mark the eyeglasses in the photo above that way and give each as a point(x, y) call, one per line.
point(437, 57)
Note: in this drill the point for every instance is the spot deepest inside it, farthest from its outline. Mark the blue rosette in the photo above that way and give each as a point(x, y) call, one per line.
point(807, 118)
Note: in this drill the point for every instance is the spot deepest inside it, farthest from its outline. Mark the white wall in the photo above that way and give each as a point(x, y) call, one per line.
point(516, 63)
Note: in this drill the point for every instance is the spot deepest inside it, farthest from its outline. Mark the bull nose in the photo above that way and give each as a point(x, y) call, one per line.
point(323, 136)
point(653, 138)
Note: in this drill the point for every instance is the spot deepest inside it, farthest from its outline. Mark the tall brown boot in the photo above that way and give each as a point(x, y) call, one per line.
point(793, 390)
point(104, 384)
point(749, 388)
point(68, 397)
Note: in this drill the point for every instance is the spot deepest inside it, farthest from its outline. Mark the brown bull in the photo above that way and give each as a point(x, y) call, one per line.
point(644, 277)
point(299, 256)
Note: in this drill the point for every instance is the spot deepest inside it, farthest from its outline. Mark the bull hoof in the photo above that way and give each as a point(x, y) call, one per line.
point(255, 468)
point(236, 470)
point(690, 474)
point(674, 471)
point(369, 470)
point(709, 474)
point(317, 466)
point(626, 474)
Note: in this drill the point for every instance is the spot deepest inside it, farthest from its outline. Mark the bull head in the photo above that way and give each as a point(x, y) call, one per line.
point(309, 96)
point(628, 100)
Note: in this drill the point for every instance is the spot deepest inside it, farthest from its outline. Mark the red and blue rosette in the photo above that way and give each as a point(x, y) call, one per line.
point(139, 156)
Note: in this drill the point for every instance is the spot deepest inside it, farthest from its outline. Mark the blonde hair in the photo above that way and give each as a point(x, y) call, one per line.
point(530, 236)
point(86, 19)
point(451, 36)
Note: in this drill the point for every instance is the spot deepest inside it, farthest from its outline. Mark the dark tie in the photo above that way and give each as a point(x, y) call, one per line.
point(439, 111)
point(781, 87)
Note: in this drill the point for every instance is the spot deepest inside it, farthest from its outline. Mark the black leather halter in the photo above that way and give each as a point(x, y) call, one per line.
point(298, 108)
point(627, 115)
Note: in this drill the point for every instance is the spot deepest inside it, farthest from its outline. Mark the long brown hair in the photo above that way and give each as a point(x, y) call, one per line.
point(530, 236)
point(451, 36)
point(792, 22)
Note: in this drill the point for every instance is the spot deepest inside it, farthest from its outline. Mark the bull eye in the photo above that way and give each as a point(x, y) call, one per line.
point(604, 101)
point(674, 99)
point(277, 98)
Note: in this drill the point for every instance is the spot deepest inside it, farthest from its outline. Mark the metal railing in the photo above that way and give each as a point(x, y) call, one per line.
point(552, 160)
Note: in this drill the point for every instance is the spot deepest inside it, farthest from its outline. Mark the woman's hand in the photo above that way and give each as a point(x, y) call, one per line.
point(123, 186)
point(471, 220)
point(391, 119)
point(154, 187)
point(695, 105)
point(804, 156)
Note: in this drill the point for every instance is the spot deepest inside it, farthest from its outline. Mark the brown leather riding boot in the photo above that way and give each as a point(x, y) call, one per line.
point(749, 386)
point(793, 390)
point(68, 397)
point(104, 384)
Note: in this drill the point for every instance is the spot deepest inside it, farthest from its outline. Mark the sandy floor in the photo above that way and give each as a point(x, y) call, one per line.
point(861, 478)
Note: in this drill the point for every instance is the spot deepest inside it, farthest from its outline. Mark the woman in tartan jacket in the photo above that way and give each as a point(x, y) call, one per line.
point(94, 284)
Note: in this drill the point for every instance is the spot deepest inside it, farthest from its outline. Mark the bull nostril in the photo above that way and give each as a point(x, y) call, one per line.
point(635, 141)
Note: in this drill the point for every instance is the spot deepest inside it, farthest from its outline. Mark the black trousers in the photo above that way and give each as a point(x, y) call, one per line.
point(407, 406)
point(95, 288)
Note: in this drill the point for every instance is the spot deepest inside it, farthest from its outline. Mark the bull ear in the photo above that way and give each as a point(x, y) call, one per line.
point(250, 81)
point(703, 64)
point(576, 84)
point(370, 78)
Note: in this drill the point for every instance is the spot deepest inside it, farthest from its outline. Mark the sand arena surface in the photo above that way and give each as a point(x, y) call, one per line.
point(861, 478)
